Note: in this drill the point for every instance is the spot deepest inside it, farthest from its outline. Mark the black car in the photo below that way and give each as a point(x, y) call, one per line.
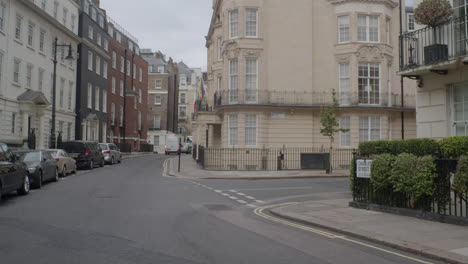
point(41, 165)
point(13, 173)
point(86, 153)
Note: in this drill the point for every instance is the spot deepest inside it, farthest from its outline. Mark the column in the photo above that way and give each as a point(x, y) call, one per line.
point(41, 132)
point(24, 128)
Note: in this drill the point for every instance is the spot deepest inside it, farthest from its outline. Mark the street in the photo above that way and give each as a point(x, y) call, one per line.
point(132, 213)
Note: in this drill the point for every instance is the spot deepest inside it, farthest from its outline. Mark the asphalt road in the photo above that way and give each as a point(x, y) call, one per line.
point(131, 213)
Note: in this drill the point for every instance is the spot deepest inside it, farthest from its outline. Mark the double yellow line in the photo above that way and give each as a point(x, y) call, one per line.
point(259, 212)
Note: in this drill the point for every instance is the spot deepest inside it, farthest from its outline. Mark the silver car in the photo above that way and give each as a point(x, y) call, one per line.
point(66, 164)
point(111, 153)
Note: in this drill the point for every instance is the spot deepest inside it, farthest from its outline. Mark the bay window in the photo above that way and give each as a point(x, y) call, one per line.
point(368, 28)
point(345, 137)
point(233, 23)
point(369, 128)
point(251, 80)
point(232, 130)
point(344, 83)
point(251, 130)
point(251, 23)
point(343, 29)
point(233, 81)
point(369, 83)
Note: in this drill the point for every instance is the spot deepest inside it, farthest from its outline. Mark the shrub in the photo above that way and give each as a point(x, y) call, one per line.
point(414, 175)
point(460, 181)
point(418, 147)
point(352, 171)
point(433, 12)
point(454, 147)
point(381, 171)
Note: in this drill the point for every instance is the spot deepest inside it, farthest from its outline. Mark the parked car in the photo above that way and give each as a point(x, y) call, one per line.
point(172, 144)
point(187, 148)
point(41, 166)
point(111, 153)
point(66, 164)
point(87, 154)
point(14, 174)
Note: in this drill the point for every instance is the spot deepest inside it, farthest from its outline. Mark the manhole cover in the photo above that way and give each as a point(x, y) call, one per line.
point(217, 207)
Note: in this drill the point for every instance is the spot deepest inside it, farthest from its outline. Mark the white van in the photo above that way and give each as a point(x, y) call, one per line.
point(172, 144)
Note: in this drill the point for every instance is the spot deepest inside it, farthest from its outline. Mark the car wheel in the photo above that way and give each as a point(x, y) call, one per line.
point(38, 183)
point(112, 161)
point(75, 169)
point(91, 165)
point(56, 178)
point(102, 163)
point(64, 171)
point(120, 160)
point(24, 189)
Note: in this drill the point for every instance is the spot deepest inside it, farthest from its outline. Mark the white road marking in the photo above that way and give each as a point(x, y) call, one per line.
point(225, 194)
point(233, 191)
point(218, 191)
point(242, 201)
point(251, 205)
point(243, 194)
point(259, 201)
point(233, 198)
point(251, 198)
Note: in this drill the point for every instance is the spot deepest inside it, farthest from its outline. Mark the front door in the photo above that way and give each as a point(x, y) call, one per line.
point(460, 109)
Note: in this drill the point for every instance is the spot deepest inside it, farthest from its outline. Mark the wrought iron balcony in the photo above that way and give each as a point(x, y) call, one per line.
point(432, 45)
point(311, 99)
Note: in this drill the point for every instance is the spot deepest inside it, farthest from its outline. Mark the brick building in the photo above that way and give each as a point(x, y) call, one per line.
point(127, 90)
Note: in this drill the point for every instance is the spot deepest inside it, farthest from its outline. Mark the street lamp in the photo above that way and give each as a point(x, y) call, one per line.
point(52, 142)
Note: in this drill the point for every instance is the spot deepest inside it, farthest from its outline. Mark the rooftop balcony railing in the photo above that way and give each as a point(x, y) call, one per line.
point(432, 45)
point(311, 99)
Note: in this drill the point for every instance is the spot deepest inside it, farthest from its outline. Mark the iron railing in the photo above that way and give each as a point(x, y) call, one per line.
point(146, 147)
point(311, 99)
point(444, 201)
point(267, 159)
point(432, 45)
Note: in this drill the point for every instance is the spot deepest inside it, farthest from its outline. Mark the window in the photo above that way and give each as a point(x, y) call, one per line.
point(156, 140)
point(157, 123)
point(182, 111)
point(114, 60)
point(410, 22)
point(232, 130)
point(106, 44)
point(19, 24)
point(112, 114)
point(233, 23)
point(460, 109)
point(121, 115)
point(118, 37)
point(104, 101)
point(29, 70)
point(368, 28)
point(113, 84)
point(93, 13)
point(90, 96)
point(73, 21)
point(41, 41)
point(101, 20)
point(233, 81)
point(161, 69)
point(122, 64)
point(140, 74)
point(369, 128)
point(344, 84)
point(128, 68)
point(183, 98)
point(219, 86)
point(140, 96)
point(157, 99)
point(122, 88)
point(134, 71)
point(62, 91)
point(30, 34)
point(220, 49)
point(369, 83)
point(96, 99)
point(70, 94)
point(55, 11)
point(60, 127)
point(388, 31)
point(134, 102)
point(65, 16)
point(183, 80)
point(40, 77)
point(98, 65)
point(16, 71)
point(139, 120)
point(90, 32)
point(345, 137)
point(90, 60)
point(43, 4)
point(13, 123)
point(2, 17)
point(343, 28)
point(98, 39)
point(251, 80)
point(251, 22)
point(104, 69)
point(251, 130)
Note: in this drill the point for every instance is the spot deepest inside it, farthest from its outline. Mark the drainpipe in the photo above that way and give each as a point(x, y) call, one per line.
point(401, 77)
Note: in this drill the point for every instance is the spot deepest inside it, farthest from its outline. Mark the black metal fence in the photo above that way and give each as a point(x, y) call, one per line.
point(124, 147)
point(444, 201)
point(435, 44)
point(265, 159)
point(146, 147)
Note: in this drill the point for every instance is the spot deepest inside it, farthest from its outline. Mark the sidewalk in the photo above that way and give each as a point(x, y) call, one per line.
point(431, 239)
point(190, 170)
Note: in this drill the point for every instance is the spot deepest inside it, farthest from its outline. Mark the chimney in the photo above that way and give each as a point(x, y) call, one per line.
point(97, 3)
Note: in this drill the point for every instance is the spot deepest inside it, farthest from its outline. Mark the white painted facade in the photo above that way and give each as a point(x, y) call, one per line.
point(26, 48)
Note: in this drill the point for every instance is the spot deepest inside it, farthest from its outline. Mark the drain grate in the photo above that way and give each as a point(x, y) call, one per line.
point(217, 207)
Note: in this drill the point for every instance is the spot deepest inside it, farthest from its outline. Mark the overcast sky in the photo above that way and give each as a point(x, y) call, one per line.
point(175, 27)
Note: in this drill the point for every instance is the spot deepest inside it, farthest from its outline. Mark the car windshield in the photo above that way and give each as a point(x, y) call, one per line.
point(30, 156)
point(104, 146)
point(53, 153)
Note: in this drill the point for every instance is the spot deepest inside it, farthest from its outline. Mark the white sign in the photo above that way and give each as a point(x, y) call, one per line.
point(363, 168)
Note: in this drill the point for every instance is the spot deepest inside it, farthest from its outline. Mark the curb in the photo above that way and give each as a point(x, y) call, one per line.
point(367, 238)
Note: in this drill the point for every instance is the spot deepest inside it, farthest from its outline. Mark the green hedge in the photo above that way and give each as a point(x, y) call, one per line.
point(418, 147)
point(454, 147)
point(460, 181)
point(381, 171)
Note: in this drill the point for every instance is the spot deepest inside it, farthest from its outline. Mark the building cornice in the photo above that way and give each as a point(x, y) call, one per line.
point(389, 3)
point(95, 48)
point(50, 19)
point(213, 23)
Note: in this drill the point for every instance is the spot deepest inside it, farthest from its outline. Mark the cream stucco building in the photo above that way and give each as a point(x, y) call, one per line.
point(273, 64)
point(440, 65)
